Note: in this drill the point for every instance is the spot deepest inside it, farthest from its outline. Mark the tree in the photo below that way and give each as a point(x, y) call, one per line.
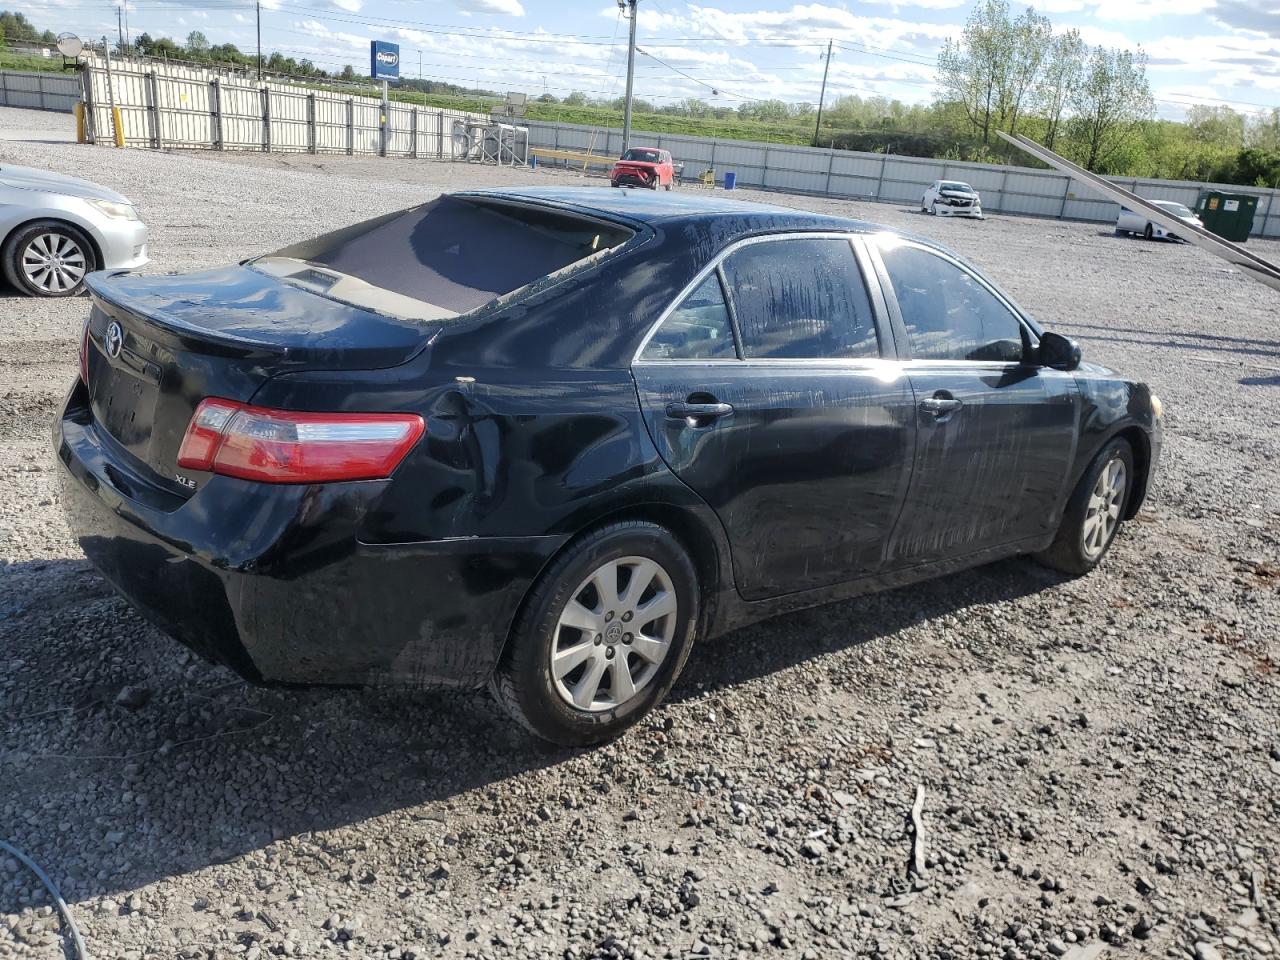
point(1, 36)
point(1111, 102)
point(348, 73)
point(1063, 68)
point(972, 70)
point(1264, 130)
point(197, 45)
point(576, 99)
point(1028, 43)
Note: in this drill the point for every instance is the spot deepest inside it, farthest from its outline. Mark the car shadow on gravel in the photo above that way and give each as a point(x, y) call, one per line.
point(793, 638)
point(127, 760)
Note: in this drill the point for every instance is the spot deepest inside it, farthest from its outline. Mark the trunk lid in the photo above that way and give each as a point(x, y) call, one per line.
point(159, 345)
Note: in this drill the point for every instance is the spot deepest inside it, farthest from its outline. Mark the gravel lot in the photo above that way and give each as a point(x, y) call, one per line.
point(1100, 758)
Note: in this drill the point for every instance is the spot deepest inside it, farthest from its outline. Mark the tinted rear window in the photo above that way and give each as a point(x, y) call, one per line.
point(451, 255)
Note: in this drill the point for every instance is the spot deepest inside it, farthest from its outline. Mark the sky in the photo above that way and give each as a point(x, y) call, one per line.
point(726, 52)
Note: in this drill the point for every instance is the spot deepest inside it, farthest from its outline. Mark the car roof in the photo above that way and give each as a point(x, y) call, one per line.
point(652, 206)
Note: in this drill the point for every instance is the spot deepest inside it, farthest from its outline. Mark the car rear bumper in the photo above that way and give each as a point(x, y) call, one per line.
point(274, 582)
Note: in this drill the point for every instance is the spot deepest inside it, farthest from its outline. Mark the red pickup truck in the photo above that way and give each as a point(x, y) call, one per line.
point(644, 167)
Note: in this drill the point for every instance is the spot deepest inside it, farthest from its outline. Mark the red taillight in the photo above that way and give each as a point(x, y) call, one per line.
point(84, 353)
point(287, 446)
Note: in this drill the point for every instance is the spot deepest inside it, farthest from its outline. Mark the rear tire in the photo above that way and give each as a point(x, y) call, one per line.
point(1149, 233)
point(47, 258)
point(1095, 512)
point(582, 666)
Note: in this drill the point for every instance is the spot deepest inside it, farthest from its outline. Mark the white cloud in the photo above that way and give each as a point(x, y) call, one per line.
point(508, 8)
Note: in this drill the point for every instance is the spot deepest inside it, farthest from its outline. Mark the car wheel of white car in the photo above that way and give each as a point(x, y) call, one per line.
point(47, 259)
point(1149, 233)
point(933, 208)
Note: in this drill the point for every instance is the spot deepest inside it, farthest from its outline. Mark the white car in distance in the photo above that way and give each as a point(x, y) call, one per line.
point(1134, 223)
point(951, 198)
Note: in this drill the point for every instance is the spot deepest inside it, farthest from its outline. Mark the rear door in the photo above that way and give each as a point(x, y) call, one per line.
point(996, 434)
point(771, 388)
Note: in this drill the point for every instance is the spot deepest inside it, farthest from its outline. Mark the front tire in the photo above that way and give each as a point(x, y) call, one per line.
point(602, 636)
point(1149, 233)
point(47, 259)
point(933, 208)
point(1094, 513)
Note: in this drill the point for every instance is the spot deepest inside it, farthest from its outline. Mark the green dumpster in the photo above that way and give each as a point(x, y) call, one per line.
point(1229, 215)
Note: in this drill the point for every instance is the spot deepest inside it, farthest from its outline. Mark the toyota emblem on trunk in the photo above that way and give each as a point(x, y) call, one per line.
point(114, 340)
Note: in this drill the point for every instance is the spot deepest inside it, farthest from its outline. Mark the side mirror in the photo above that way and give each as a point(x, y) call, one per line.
point(1059, 352)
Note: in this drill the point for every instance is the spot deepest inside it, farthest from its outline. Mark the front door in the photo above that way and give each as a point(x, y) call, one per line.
point(995, 435)
point(765, 391)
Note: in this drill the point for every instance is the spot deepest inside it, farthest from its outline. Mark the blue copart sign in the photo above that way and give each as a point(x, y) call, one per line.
point(384, 60)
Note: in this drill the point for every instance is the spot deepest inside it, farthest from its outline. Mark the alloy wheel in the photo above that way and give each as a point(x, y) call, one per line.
point(613, 634)
point(1102, 515)
point(53, 262)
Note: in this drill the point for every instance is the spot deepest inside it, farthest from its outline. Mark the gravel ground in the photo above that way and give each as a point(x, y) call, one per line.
point(1099, 757)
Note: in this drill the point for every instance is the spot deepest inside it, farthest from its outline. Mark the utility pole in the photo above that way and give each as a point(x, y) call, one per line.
point(119, 30)
point(257, 5)
point(623, 5)
point(823, 95)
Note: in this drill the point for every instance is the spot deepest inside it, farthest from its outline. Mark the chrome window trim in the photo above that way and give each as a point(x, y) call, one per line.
point(719, 258)
point(871, 364)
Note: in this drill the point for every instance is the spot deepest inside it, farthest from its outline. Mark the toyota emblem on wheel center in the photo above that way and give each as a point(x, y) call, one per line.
point(114, 340)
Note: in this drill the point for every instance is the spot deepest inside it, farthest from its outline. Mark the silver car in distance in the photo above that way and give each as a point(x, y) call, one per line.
point(1134, 223)
point(56, 229)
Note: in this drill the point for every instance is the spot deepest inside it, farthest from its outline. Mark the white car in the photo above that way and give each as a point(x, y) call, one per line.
point(951, 198)
point(1135, 223)
point(55, 229)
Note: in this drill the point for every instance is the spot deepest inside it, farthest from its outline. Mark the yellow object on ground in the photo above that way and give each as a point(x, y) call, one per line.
point(117, 126)
point(82, 135)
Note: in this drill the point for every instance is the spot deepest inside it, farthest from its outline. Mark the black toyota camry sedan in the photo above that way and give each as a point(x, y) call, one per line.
point(541, 440)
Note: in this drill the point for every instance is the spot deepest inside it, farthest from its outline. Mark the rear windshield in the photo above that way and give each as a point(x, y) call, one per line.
point(444, 258)
point(643, 156)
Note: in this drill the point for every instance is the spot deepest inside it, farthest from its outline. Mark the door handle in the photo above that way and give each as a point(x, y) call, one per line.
point(940, 406)
point(698, 411)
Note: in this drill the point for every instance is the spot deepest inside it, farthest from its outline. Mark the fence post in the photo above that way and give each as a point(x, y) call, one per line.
point(1004, 179)
point(831, 159)
point(40, 90)
point(1266, 217)
point(351, 126)
point(153, 94)
point(86, 94)
point(215, 100)
point(557, 143)
point(884, 160)
point(311, 122)
point(413, 131)
point(4, 88)
point(1066, 192)
point(440, 123)
point(266, 119)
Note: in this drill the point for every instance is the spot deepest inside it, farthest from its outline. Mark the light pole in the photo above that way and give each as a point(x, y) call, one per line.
point(817, 128)
point(258, 10)
point(628, 8)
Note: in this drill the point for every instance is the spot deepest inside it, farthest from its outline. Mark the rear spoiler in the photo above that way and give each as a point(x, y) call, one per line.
point(1253, 265)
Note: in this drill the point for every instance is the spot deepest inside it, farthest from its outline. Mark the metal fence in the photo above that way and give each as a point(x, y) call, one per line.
point(890, 178)
point(192, 108)
point(39, 91)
